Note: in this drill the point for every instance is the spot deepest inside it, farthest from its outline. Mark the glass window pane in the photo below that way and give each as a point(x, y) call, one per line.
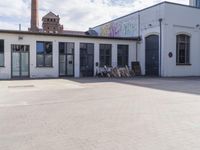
point(48, 60)
point(48, 47)
point(40, 47)
point(62, 64)
point(40, 60)
point(102, 61)
point(90, 48)
point(120, 61)
point(122, 55)
point(83, 46)
point(16, 64)
point(24, 64)
point(1, 46)
point(108, 61)
point(62, 48)
point(70, 48)
point(70, 65)
point(183, 49)
point(105, 54)
point(1, 59)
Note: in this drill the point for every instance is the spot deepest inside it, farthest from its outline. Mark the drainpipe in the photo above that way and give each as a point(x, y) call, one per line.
point(137, 43)
point(160, 66)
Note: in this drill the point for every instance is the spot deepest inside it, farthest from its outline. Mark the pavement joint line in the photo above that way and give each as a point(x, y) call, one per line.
point(21, 86)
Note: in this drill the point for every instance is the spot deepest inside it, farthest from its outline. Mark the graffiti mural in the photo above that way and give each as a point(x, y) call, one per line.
point(125, 27)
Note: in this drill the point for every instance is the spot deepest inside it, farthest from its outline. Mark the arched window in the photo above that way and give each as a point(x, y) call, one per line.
point(182, 49)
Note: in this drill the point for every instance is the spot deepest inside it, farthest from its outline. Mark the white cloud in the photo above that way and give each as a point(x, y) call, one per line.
point(75, 14)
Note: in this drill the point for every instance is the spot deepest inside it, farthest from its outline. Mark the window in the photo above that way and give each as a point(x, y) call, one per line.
point(87, 48)
point(182, 49)
point(66, 48)
point(1, 53)
point(105, 55)
point(44, 54)
point(122, 55)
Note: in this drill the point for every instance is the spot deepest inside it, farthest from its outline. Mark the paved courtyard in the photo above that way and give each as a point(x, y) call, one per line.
point(100, 114)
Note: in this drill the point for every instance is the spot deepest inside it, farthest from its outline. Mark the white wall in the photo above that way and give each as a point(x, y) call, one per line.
point(176, 19)
point(35, 72)
point(180, 19)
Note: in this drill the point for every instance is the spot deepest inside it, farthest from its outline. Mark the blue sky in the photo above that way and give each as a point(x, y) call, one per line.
point(75, 14)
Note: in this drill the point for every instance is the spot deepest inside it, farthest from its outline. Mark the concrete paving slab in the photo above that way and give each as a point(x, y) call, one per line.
point(100, 114)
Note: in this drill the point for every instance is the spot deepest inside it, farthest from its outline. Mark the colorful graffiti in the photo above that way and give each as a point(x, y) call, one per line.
point(125, 27)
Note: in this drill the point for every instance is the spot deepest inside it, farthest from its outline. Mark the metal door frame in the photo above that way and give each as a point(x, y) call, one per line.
point(20, 76)
point(157, 74)
point(66, 61)
point(87, 59)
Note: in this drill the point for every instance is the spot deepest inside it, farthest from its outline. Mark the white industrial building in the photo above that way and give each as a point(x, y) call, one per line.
point(163, 38)
point(43, 55)
point(170, 35)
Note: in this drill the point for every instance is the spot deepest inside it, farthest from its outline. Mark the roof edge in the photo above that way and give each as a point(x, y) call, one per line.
point(69, 35)
point(165, 2)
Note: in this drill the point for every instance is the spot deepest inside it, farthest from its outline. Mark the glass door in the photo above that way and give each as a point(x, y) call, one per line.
point(15, 64)
point(24, 64)
point(20, 61)
point(86, 60)
point(66, 59)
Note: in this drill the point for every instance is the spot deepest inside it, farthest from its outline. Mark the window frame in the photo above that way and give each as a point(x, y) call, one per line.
point(186, 50)
point(3, 65)
point(102, 64)
point(124, 61)
point(45, 54)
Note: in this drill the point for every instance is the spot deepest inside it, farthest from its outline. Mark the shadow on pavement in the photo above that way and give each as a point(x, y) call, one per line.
point(190, 85)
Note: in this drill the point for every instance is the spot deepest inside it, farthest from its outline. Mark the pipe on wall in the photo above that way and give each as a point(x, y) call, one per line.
point(160, 49)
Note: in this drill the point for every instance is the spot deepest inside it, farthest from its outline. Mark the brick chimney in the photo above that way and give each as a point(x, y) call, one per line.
point(34, 16)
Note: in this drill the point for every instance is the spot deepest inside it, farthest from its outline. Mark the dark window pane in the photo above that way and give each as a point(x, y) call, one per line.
point(122, 55)
point(62, 48)
point(108, 61)
point(83, 46)
point(108, 52)
point(120, 61)
point(48, 48)
point(1, 46)
point(183, 49)
point(90, 48)
point(105, 54)
point(40, 47)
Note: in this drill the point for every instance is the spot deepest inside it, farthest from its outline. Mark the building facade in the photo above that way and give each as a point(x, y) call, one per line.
point(44, 55)
point(170, 36)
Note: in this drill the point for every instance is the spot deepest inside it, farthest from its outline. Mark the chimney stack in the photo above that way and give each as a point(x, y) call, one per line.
point(34, 16)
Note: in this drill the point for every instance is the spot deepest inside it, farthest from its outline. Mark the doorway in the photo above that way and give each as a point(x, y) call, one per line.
point(86, 60)
point(66, 59)
point(152, 55)
point(20, 61)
